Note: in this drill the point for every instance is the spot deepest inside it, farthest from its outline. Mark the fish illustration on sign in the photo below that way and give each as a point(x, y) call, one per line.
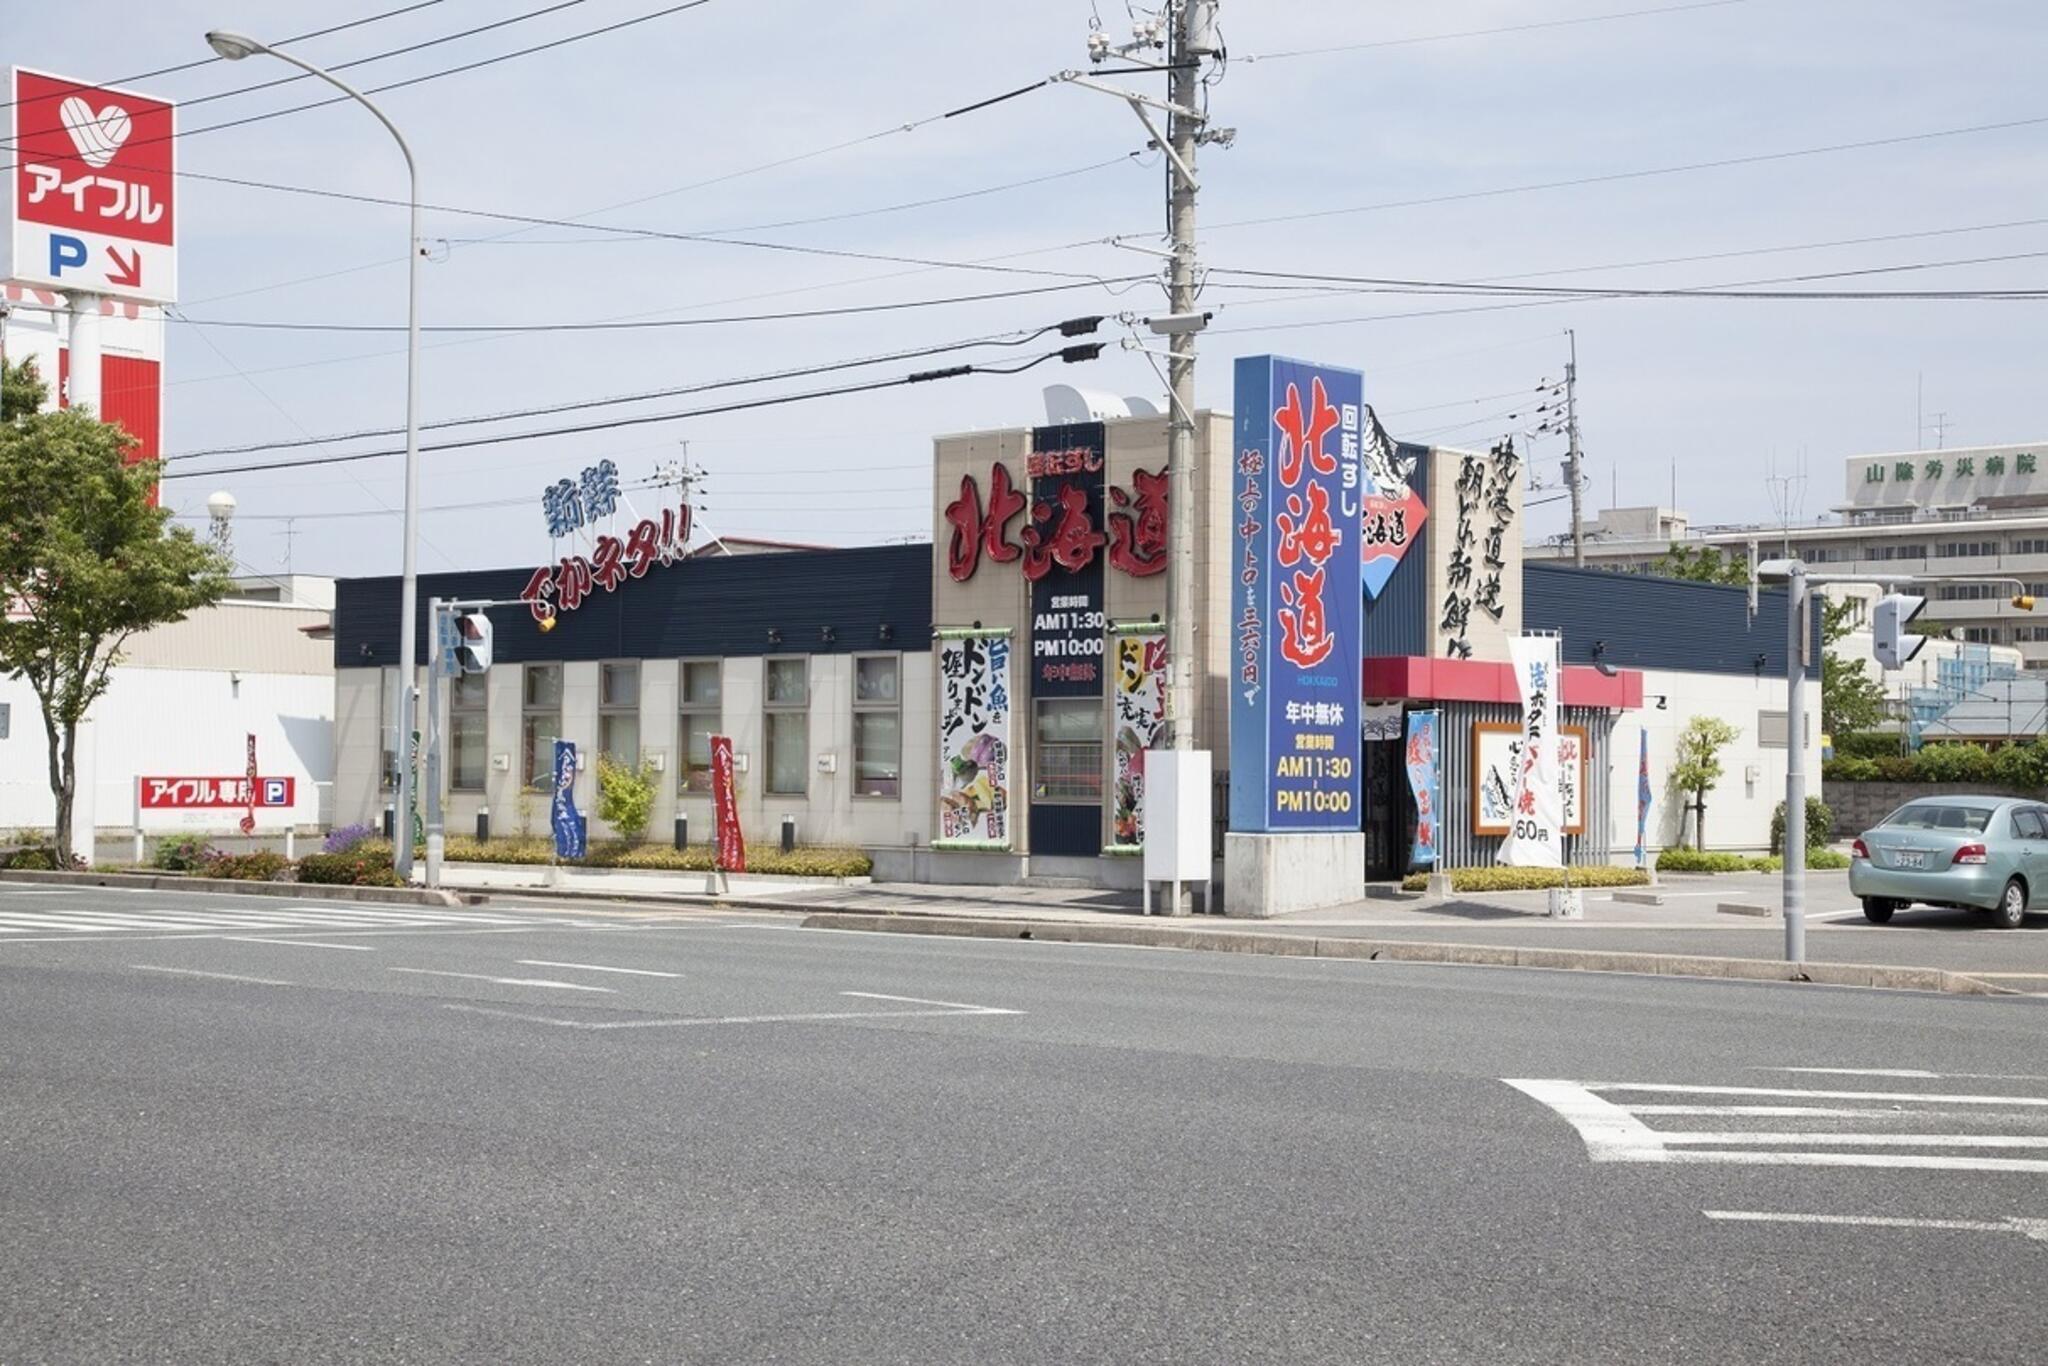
point(1393, 513)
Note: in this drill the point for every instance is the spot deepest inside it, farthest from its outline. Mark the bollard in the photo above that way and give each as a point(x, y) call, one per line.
point(140, 853)
point(682, 832)
point(390, 819)
point(291, 848)
point(789, 834)
point(483, 825)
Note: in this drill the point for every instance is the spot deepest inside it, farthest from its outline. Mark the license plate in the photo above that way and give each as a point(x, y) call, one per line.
point(1910, 858)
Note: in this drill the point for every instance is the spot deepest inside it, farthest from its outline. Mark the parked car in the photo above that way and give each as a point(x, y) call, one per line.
point(1976, 853)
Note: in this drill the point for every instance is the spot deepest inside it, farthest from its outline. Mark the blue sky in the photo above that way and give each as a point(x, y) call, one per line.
point(1725, 391)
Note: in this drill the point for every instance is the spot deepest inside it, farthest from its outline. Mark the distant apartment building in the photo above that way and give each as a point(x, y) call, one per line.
point(1979, 512)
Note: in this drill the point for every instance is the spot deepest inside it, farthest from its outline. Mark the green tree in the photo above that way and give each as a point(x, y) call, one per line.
point(625, 796)
point(1850, 698)
point(1698, 766)
point(1703, 564)
point(87, 558)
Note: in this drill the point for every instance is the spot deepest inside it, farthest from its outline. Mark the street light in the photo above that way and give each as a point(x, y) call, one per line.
point(234, 47)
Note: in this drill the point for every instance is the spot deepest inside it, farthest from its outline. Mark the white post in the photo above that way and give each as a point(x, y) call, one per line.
point(84, 379)
point(140, 852)
point(1795, 765)
point(291, 847)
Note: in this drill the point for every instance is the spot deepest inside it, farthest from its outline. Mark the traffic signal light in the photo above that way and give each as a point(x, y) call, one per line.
point(473, 647)
point(2024, 601)
point(1894, 644)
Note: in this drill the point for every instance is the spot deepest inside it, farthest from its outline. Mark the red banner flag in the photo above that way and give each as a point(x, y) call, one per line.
point(249, 792)
point(732, 849)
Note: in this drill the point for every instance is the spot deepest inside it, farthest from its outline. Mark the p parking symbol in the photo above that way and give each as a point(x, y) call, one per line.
point(65, 253)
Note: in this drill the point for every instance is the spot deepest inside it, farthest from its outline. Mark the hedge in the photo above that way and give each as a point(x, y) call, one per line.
point(1504, 879)
point(1720, 861)
point(2023, 766)
point(261, 866)
point(1820, 824)
point(353, 869)
point(805, 861)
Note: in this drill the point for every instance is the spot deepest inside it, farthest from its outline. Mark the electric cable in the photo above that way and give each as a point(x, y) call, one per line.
point(1255, 57)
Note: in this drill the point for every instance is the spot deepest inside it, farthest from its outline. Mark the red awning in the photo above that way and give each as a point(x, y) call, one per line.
point(1473, 680)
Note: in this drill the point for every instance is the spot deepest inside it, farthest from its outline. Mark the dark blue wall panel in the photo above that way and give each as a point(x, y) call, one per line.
point(711, 607)
point(1651, 623)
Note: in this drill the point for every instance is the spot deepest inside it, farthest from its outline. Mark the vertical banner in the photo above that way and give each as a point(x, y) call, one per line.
point(1140, 720)
point(571, 834)
point(1642, 793)
point(1536, 834)
point(1062, 553)
point(974, 741)
point(1394, 511)
point(1424, 778)
point(725, 806)
point(249, 791)
point(1296, 597)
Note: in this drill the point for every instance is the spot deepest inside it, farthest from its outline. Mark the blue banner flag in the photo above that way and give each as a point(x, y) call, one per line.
point(571, 834)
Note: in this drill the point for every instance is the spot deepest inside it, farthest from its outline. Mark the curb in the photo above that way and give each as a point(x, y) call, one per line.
point(305, 891)
point(1412, 951)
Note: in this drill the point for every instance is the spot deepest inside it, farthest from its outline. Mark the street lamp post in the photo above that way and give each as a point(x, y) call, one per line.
point(234, 47)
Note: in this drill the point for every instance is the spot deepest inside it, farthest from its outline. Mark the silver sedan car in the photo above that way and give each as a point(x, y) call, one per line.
point(1980, 853)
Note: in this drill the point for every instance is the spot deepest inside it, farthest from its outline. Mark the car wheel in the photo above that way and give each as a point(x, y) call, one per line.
point(1877, 910)
point(2012, 905)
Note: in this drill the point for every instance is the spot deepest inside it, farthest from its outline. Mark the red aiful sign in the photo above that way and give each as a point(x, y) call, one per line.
point(1058, 532)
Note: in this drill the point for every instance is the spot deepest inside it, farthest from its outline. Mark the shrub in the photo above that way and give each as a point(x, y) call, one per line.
point(185, 854)
point(1820, 824)
point(1826, 858)
point(1899, 768)
point(1867, 744)
point(1505, 879)
point(1953, 764)
point(1676, 860)
point(2021, 765)
point(261, 866)
point(806, 861)
point(347, 838)
point(625, 796)
point(42, 860)
point(1850, 770)
point(352, 869)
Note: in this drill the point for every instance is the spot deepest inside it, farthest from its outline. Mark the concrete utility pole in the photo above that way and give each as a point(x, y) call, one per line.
point(1796, 641)
point(1180, 438)
point(1571, 424)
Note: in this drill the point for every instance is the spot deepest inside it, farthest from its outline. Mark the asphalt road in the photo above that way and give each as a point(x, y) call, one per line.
point(581, 1135)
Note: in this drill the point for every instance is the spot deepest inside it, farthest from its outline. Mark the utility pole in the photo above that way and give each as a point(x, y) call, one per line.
point(1571, 422)
point(1180, 439)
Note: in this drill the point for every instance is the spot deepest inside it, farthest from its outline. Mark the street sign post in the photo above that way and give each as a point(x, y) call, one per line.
point(93, 199)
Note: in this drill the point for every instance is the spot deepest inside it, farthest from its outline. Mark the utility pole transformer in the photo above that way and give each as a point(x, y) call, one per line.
point(1571, 423)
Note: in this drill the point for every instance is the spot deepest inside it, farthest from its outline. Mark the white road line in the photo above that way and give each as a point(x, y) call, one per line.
point(921, 1001)
point(1821, 1112)
point(218, 976)
point(1742, 1138)
point(682, 1022)
point(1917, 1073)
point(507, 981)
point(594, 967)
point(2037, 1229)
point(1611, 1133)
point(296, 943)
point(1800, 1095)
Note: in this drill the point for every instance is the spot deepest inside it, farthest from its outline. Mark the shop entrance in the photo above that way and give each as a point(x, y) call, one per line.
point(1389, 811)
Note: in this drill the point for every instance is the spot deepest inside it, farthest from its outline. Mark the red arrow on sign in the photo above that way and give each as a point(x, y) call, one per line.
point(128, 272)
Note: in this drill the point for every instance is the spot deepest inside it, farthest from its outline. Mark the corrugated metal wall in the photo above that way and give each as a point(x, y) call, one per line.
point(1651, 623)
point(1462, 848)
point(702, 607)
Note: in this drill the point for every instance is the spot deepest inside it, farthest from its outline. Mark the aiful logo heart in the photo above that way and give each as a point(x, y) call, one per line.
point(96, 136)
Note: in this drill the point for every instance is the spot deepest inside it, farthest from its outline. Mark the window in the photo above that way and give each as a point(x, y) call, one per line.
point(1771, 728)
point(877, 726)
point(1963, 550)
point(618, 712)
point(2030, 545)
point(2026, 823)
point(541, 722)
point(1067, 758)
point(467, 758)
point(1936, 816)
point(788, 723)
point(701, 719)
point(1899, 550)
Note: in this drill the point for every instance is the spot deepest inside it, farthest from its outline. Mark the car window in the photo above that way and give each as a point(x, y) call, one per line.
point(1934, 816)
point(2027, 824)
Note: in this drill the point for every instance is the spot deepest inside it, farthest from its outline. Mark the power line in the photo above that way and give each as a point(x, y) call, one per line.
point(1615, 176)
point(1070, 355)
point(195, 64)
point(1487, 32)
point(629, 325)
point(1019, 338)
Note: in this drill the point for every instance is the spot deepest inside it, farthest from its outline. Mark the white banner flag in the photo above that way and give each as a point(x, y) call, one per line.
point(1536, 835)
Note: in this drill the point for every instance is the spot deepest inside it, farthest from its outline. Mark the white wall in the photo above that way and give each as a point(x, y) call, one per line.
point(1738, 808)
point(184, 722)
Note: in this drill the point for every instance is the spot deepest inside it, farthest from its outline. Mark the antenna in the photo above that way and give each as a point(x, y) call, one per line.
point(1941, 424)
point(288, 533)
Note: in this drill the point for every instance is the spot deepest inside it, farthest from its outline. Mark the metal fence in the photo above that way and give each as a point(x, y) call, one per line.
point(1461, 847)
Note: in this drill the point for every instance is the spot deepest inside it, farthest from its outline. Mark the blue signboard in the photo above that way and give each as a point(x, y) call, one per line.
point(571, 834)
point(1296, 597)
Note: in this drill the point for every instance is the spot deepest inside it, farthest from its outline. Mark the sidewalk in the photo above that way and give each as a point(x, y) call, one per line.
point(1688, 922)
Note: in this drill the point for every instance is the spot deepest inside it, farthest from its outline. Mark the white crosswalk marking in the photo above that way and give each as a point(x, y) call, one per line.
point(19, 921)
point(1895, 1129)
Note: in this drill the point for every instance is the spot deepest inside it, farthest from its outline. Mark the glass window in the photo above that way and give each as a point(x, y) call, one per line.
point(1067, 759)
point(789, 753)
point(2026, 823)
point(701, 718)
point(877, 727)
point(618, 715)
point(1935, 816)
point(467, 757)
point(789, 682)
point(541, 724)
